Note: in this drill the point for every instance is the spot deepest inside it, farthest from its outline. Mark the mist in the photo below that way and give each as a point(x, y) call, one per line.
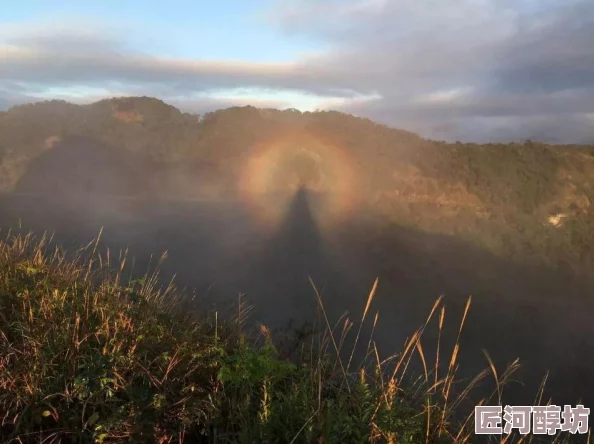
point(217, 249)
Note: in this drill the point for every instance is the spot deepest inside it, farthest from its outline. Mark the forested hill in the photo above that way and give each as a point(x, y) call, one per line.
point(526, 201)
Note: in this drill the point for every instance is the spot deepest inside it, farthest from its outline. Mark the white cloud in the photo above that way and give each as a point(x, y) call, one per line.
point(463, 69)
point(444, 96)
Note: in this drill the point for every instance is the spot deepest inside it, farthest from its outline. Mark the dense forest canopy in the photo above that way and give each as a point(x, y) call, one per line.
point(526, 201)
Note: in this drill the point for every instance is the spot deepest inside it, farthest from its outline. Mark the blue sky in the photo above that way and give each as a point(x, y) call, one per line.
point(449, 69)
point(226, 30)
point(222, 29)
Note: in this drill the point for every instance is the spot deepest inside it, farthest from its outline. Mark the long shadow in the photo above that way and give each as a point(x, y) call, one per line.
point(277, 278)
point(540, 315)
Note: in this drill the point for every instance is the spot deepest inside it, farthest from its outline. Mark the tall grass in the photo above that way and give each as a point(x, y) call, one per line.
point(87, 355)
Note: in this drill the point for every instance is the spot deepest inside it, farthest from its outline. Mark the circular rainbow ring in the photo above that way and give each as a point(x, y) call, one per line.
point(269, 179)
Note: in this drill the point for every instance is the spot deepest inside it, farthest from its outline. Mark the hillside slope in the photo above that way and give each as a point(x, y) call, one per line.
point(528, 202)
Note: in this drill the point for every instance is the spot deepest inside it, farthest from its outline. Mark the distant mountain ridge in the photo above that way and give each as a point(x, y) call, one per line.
point(531, 200)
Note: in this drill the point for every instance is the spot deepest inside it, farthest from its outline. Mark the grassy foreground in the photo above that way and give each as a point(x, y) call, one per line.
point(86, 356)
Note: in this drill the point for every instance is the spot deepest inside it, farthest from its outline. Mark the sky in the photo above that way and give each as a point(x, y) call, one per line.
point(469, 70)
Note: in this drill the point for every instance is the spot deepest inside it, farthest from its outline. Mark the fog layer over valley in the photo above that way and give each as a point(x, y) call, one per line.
point(256, 202)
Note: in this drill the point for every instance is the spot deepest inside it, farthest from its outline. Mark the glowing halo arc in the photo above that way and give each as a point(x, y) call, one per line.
point(265, 187)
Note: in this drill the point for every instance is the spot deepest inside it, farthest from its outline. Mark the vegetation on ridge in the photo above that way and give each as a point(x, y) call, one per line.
point(527, 202)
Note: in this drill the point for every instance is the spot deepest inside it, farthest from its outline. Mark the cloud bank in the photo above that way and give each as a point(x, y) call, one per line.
point(475, 70)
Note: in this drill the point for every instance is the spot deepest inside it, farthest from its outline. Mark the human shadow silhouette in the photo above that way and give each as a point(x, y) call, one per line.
point(278, 276)
point(541, 315)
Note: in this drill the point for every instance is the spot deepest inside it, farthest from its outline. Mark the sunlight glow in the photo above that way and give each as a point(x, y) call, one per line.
point(292, 160)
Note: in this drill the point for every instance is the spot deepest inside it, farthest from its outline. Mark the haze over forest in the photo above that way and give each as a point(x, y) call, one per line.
point(526, 202)
point(254, 201)
point(445, 148)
